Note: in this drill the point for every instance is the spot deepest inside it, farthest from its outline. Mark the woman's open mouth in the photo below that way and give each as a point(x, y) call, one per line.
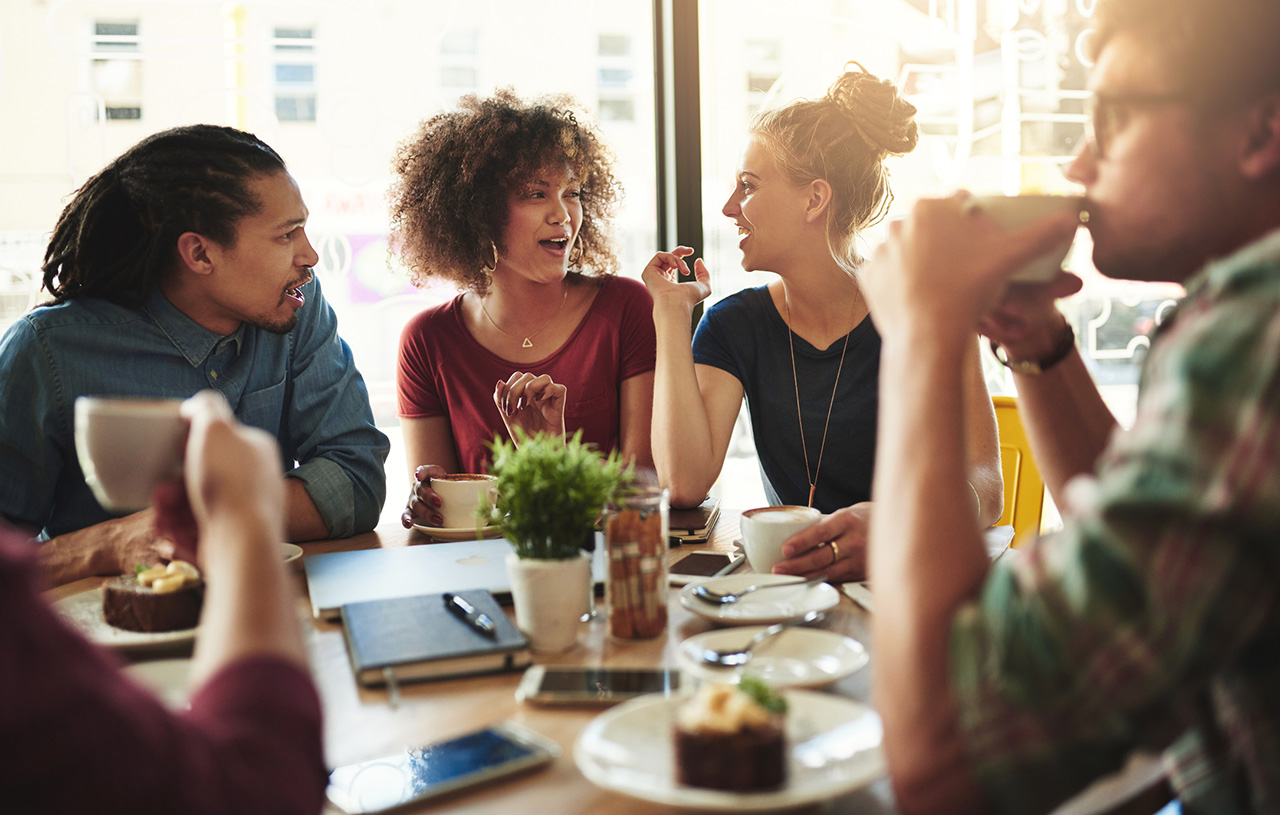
point(556, 246)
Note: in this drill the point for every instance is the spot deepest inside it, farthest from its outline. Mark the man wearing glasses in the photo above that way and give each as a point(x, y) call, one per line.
point(1153, 619)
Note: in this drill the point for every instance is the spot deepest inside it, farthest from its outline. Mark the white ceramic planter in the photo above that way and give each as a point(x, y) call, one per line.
point(549, 597)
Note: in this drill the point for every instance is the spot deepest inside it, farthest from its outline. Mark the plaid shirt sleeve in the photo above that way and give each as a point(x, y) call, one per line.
point(1152, 617)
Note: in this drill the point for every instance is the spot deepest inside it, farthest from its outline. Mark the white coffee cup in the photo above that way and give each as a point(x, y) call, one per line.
point(1014, 212)
point(764, 530)
point(461, 495)
point(128, 445)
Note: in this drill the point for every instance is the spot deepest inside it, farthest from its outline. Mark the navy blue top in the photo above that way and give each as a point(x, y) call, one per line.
point(302, 387)
point(745, 335)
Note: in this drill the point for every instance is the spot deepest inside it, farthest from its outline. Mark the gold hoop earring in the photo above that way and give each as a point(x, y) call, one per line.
point(575, 251)
point(494, 267)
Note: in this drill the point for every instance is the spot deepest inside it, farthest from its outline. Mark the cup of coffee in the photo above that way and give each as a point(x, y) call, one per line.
point(1013, 212)
point(126, 446)
point(764, 529)
point(462, 495)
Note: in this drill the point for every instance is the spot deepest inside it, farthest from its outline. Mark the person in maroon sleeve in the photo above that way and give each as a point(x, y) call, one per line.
point(76, 735)
point(510, 201)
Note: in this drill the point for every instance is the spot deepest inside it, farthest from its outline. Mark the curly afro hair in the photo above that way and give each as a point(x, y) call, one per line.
point(452, 179)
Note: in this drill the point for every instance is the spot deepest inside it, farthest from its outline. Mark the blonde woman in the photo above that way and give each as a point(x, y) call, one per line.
point(802, 350)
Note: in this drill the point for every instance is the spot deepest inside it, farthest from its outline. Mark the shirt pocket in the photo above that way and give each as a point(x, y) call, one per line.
point(264, 408)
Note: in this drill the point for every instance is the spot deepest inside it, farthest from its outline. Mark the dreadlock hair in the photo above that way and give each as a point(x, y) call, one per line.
point(843, 138)
point(117, 237)
point(452, 177)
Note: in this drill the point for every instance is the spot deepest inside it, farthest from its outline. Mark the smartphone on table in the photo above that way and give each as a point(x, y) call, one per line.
point(702, 565)
point(554, 685)
point(412, 775)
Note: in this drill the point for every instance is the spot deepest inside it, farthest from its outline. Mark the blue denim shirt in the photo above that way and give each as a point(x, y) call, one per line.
point(302, 387)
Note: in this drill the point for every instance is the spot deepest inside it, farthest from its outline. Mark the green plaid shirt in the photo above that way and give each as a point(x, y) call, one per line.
point(1153, 619)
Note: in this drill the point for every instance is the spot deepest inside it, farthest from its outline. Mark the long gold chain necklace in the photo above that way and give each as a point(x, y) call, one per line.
point(795, 380)
point(528, 340)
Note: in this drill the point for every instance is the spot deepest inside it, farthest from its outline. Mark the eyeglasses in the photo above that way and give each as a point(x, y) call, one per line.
point(1105, 115)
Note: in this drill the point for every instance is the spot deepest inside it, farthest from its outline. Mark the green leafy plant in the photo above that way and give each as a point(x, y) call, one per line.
point(551, 491)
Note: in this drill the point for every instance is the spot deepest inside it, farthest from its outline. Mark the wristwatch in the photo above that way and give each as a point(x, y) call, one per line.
point(1035, 367)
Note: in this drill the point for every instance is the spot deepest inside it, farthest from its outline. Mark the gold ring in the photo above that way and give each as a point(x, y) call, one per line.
point(835, 551)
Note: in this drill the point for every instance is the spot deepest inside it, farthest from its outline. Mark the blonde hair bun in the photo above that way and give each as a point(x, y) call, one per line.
point(875, 109)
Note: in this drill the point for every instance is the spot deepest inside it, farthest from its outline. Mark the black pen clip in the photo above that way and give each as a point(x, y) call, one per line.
point(468, 613)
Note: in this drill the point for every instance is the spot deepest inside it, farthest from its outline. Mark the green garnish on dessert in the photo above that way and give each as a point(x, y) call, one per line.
point(764, 695)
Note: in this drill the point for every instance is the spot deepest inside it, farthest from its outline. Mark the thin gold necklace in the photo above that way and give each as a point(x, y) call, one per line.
point(528, 340)
point(795, 380)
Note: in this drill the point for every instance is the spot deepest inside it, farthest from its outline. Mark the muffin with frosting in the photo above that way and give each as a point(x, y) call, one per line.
point(732, 738)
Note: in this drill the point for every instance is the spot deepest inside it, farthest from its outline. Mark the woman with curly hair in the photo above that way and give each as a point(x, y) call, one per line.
point(803, 349)
point(510, 200)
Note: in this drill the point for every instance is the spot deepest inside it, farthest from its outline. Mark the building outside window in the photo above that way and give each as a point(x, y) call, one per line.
point(615, 78)
point(295, 74)
point(117, 68)
point(460, 62)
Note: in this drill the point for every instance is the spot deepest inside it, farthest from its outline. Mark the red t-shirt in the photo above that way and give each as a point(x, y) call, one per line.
point(444, 371)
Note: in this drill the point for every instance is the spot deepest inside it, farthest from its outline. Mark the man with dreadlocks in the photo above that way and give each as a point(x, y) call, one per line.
point(183, 265)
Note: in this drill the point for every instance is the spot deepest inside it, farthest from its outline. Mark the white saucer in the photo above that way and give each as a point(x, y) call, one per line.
point(760, 607)
point(291, 552)
point(797, 657)
point(834, 748)
point(459, 533)
point(167, 678)
point(84, 613)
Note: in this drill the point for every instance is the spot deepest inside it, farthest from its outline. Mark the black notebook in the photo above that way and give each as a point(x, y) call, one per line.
point(405, 639)
point(694, 525)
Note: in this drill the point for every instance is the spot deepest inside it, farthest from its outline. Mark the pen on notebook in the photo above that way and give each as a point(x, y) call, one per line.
point(468, 614)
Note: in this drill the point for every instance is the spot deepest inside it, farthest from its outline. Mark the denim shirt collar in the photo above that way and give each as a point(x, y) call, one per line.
point(194, 341)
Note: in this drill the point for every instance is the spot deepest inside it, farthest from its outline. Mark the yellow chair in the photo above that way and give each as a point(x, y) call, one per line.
point(1023, 485)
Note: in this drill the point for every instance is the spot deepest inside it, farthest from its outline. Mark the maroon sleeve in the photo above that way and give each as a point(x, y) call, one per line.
point(638, 347)
point(416, 392)
point(77, 736)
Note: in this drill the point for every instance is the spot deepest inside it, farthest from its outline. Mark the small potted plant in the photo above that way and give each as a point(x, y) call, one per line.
point(550, 493)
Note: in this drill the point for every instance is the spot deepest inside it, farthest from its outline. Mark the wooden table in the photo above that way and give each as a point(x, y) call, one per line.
point(361, 724)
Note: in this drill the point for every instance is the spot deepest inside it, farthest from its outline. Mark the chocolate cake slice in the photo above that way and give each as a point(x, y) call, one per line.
point(732, 738)
point(128, 604)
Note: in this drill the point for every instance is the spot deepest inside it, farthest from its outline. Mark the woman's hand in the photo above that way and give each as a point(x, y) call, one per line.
point(532, 402)
point(424, 503)
point(661, 277)
point(835, 546)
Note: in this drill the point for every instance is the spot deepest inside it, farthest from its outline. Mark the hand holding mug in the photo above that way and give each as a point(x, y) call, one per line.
point(424, 505)
point(835, 546)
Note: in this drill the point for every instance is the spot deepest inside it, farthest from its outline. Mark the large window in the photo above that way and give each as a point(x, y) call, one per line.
point(999, 88)
point(336, 86)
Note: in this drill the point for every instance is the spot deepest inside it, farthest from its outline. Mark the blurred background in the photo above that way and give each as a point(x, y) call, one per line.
point(335, 85)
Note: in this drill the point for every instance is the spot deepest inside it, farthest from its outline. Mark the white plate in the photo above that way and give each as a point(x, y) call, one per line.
point(798, 657)
point(760, 607)
point(291, 552)
point(166, 678)
point(84, 612)
point(459, 533)
point(833, 748)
